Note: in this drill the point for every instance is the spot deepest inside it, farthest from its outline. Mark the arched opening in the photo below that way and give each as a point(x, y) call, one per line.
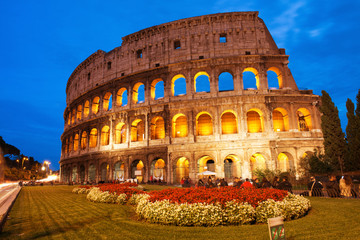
point(121, 97)
point(95, 105)
point(157, 128)
point(139, 93)
point(92, 173)
point(82, 174)
point(79, 112)
point(137, 130)
point(250, 78)
point(179, 126)
point(226, 82)
point(83, 140)
point(74, 174)
point(232, 167)
point(206, 163)
point(182, 169)
point(69, 118)
point(280, 120)
point(76, 142)
point(93, 138)
point(71, 144)
point(107, 102)
point(137, 170)
point(119, 171)
point(120, 133)
point(73, 116)
point(254, 121)
point(285, 162)
point(202, 82)
point(104, 169)
point(304, 119)
point(157, 169)
point(86, 108)
point(105, 136)
point(178, 85)
point(157, 89)
point(257, 162)
point(228, 123)
point(204, 124)
point(274, 78)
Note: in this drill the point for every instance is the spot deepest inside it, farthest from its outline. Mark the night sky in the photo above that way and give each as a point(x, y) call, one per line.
point(44, 41)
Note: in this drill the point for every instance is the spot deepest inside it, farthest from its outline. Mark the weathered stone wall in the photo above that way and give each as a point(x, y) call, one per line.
point(248, 47)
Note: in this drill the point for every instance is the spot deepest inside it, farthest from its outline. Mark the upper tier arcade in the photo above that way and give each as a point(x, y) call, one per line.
point(237, 37)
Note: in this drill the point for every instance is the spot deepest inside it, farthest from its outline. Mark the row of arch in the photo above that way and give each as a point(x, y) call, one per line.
point(204, 126)
point(232, 167)
point(178, 88)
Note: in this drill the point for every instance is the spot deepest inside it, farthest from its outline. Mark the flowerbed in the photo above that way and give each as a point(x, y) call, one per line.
point(203, 206)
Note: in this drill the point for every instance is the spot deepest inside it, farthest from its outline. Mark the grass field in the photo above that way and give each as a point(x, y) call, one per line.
point(55, 213)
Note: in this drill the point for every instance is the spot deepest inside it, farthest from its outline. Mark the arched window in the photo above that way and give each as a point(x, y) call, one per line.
point(139, 93)
point(179, 126)
point(228, 123)
point(107, 102)
point(250, 78)
point(83, 140)
point(86, 108)
point(69, 118)
point(137, 130)
point(76, 142)
point(93, 138)
point(204, 124)
point(71, 144)
point(285, 162)
point(280, 120)
point(137, 170)
point(206, 163)
point(304, 119)
point(79, 112)
point(157, 169)
point(178, 85)
point(257, 161)
point(202, 82)
point(105, 135)
point(226, 82)
point(182, 169)
point(95, 105)
point(274, 78)
point(157, 89)
point(157, 128)
point(232, 167)
point(119, 171)
point(73, 116)
point(254, 121)
point(120, 133)
point(121, 97)
point(92, 172)
point(66, 145)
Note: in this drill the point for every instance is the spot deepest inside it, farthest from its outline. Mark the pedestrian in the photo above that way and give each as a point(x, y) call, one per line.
point(315, 187)
point(332, 187)
point(285, 185)
point(346, 186)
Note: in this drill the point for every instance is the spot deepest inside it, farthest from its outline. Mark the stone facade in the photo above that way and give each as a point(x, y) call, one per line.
point(231, 132)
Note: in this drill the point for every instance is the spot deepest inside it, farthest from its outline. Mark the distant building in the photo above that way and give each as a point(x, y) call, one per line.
point(184, 97)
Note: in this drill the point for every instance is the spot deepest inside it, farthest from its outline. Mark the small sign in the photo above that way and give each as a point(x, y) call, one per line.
point(138, 173)
point(276, 228)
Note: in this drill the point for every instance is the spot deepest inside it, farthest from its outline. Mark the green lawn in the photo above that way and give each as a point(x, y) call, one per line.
point(55, 213)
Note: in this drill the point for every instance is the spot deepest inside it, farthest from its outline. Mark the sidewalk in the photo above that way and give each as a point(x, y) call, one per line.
point(6, 203)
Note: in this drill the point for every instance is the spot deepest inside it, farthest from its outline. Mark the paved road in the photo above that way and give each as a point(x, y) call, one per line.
point(5, 189)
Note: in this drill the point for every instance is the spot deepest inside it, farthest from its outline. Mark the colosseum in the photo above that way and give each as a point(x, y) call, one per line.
point(208, 93)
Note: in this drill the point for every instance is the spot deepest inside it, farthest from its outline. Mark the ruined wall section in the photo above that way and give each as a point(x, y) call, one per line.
point(245, 33)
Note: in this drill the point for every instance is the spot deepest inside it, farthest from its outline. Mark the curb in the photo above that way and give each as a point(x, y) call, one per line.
point(11, 198)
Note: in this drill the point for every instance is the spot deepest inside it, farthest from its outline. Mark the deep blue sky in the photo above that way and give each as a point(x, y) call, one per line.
point(43, 41)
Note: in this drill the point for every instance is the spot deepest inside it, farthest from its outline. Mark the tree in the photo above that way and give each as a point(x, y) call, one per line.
point(351, 161)
point(334, 137)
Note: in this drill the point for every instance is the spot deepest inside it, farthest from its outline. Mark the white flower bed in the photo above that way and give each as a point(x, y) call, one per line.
point(233, 213)
point(96, 195)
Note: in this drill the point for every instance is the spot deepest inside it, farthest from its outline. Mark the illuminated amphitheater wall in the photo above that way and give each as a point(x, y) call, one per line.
point(187, 96)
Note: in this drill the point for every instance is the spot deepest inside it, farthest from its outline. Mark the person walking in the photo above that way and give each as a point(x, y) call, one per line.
point(315, 187)
point(346, 186)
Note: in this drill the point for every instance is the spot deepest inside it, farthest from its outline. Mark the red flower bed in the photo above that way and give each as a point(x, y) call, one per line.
point(217, 195)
